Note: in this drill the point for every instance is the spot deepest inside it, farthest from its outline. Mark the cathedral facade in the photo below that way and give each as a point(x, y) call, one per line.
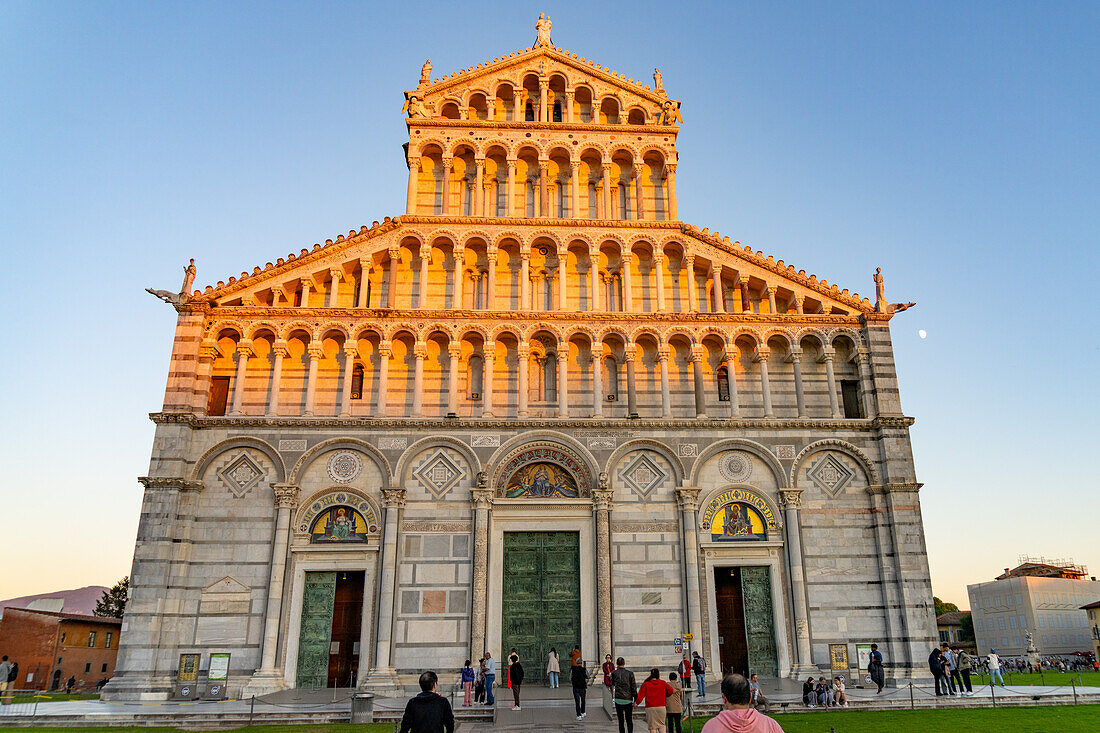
point(535, 410)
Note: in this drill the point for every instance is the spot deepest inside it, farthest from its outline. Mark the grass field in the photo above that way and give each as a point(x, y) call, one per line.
point(1063, 719)
point(1082, 679)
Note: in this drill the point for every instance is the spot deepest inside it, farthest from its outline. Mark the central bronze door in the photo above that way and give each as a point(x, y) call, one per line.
point(541, 601)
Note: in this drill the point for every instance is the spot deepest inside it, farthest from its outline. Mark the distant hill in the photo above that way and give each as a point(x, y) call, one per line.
point(77, 600)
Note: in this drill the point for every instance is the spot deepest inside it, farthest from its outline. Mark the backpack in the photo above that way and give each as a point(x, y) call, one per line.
point(13, 673)
point(699, 666)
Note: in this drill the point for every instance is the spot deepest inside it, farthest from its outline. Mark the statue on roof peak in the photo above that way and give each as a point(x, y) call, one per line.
point(542, 25)
point(658, 81)
point(425, 72)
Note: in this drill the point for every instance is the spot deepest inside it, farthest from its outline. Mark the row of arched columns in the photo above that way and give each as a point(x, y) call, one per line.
point(541, 374)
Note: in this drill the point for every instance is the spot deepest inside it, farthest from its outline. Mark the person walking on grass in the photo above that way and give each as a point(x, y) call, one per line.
point(515, 678)
point(995, 668)
point(552, 668)
point(875, 669)
point(623, 691)
point(699, 669)
point(467, 685)
point(578, 677)
point(428, 712)
point(654, 692)
point(674, 705)
point(737, 716)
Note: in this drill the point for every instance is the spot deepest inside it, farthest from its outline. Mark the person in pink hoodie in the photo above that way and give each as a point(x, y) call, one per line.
point(736, 716)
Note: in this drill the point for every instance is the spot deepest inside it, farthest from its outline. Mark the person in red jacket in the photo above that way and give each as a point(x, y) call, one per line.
point(655, 692)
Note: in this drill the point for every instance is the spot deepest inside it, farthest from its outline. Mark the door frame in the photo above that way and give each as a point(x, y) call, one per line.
point(311, 558)
point(523, 515)
point(749, 554)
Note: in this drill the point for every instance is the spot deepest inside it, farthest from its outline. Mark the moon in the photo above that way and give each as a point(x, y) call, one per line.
point(922, 333)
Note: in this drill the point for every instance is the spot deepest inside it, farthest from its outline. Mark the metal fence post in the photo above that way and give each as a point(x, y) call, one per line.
point(912, 705)
point(993, 690)
point(251, 709)
point(1074, 683)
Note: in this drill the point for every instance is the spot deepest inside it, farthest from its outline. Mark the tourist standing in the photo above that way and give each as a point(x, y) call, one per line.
point(490, 678)
point(69, 685)
point(623, 690)
point(479, 682)
point(5, 672)
point(699, 669)
point(684, 668)
point(995, 668)
point(552, 668)
point(674, 705)
point(654, 692)
point(467, 685)
point(428, 712)
point(575, 656)
point(578, 678)
point(515, 677)
point(964, 663)
point(736, 715)
point(952, 668)
point(935, 666)
point(875, 668)
point(756, 695)
point(608, 668)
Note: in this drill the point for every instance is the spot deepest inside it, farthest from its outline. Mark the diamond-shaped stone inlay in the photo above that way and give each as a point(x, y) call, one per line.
point(642, 474)
point(241, 475)
point(439, 474)
point(830, 474)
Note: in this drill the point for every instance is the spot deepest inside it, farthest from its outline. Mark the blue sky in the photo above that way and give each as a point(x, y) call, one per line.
point(952, 144)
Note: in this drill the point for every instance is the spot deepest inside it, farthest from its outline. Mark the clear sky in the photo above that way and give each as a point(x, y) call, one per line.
point(952, 144)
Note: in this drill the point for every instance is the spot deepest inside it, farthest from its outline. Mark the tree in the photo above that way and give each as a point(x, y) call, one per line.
point(966, 633)
point(113, 601)
point(942, 608)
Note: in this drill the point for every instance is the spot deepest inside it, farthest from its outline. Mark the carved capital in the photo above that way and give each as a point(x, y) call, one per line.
point(828, 354)
point(393, 498)
point(335, 273)
point(448, 161)
point(481, 498)
point(426, 255)
point(394, 253)
point(286, 495)
point(511, 163)
point(761, 355)
point(687, 497)
point(574, 165)
point(414, 161)
point(281, 348)
point(244, 347)
point(597, 352)
point(523, 351)
point(208, 350)
point(629, 355)
point(351, 347)
point(790, 498)
point(420, 350)
point(670, 170)
point(602, 499)
point(454, 351)
point(662, 353)
point(732, 355)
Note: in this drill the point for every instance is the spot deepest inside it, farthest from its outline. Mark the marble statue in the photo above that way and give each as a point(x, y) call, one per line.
point(542, 25)
point(426, 72)
point(658, 81)
point(414, 107)
point(880, 291)
point(188, 279)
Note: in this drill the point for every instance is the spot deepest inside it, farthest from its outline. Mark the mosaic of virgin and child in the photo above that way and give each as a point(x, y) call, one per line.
point(542, 480)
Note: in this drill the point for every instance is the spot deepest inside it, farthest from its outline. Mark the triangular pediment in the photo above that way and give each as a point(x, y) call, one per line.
point(227, 585)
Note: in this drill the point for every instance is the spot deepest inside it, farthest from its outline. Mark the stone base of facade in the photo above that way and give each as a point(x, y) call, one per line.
point(381, 681)
point(137, 688)
point(264, 682)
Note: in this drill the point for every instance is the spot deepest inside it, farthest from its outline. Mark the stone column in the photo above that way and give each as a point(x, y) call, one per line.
point(746, 301)
point(659, 269)
point(244, 351)
point(491, 286)
point(687, 497)
point(569, 98)
point(601, 503)
point(335, 274)
point(280, 350)
point(597, 380)
point(639, 192)
point(575, 189)
point(447, 163)
point(563, 260)
point(563, 379)
point(490, 349)
point(492, 110)
point(631, 391)
point(414, 174)
point(731, 370)
point(454, 353)
point(594, 278)
point(479, 198)
point(697, 371)
point(799, 393)
point(544, 113)
point(510, 189)
point(425, 258)
point(544, 194)
point(770, 290)
point(606, 191)
point(394, 502)
point(456, 297)
point(306, 285)
point(628, 298)
point(670, 176)
point(525, 279)
point(863, 360)
point(693, 295)
point(800, 304)
point(391, 296)
point(384, 353)
point(666, 396)
point(482, 500)
point(315, 354)
point(827, 356)
point(420, 352)
point(523, 352)
point(351, 350)
point(716, 277)
point(286, 499)
point(765, 385)
point(365, 267)
point(517, 106)
point(791, 501)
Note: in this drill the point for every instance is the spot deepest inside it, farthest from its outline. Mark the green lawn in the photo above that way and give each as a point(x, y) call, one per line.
point(1060, 718)
point(1055, 679)
point(328, 728)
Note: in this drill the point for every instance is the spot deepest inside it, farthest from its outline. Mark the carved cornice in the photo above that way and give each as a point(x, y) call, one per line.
point(895, 487)
point(651, 526)
point(525, 423)
point(541, 222)
point(413, 525)
point(170, 482)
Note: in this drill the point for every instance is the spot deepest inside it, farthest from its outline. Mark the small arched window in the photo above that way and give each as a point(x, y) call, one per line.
point(723, 375)
point(529, 113)
point(475, 376)
point(550, 378)
point(611, 378)
point(357, 382)
point(557, 111)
